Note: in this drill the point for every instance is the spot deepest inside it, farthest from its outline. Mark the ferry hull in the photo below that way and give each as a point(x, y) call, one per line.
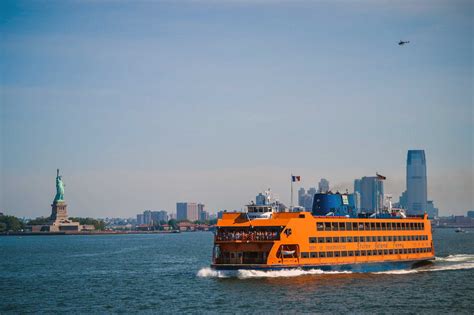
point(358, 267)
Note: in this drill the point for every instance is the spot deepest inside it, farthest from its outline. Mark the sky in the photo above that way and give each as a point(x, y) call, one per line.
point(142, 104)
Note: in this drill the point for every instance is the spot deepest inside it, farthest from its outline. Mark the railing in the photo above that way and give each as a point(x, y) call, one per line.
point(247, 236)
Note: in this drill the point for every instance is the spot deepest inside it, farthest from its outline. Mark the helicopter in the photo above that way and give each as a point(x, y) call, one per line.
point(401, 43)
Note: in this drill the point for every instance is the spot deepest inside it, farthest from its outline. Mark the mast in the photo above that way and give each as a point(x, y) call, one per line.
point(291, 202)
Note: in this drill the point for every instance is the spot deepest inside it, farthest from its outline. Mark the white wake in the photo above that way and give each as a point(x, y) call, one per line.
point(451, 262)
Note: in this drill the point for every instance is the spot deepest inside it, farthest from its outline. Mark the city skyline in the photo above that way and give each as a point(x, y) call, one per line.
point(144, 105)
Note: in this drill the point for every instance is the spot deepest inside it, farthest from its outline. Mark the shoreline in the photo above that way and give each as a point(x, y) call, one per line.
point(86, 233)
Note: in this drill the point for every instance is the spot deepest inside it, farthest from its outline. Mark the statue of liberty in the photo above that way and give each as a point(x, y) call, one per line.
point(59, 188)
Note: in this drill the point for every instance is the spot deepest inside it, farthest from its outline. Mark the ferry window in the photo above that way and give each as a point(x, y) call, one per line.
point(322, 255)
point(368, 239)
point(320, 239)
point(417, 250)
point(422, 226)
point(349, 239)
point(355, 226)
point(367, 227)
point(390, 251)
point(343, 239)
point(389, 226)
point(412, 226)
point(335, 239)
point(344, 254)
point(379, 239)
point(304, 255)
point(328, 239)
point(389, 238)
point(417, 238)
point(372, 226)
point(349, 226)
point(363, 253)
point(384, 226)
point(357, 252)
point(342, 226)
point(335, 226)
point(350, 253)
point(384, 238)
point(380, 252)
point(314, 255)
point(378, 225)
point(319, 226)
point(374, 238)
point(405, 251)
point(327, 226)
point(313, 240)
point(330, 254)
point(361, 227)
point(356, 239)
point(232, 255)
point(369, 253)
point(337, 254)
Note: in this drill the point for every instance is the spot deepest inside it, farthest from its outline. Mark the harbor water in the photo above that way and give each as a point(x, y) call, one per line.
point(168, 273)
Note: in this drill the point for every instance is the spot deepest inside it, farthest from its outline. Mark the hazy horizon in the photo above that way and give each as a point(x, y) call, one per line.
point(145, 104)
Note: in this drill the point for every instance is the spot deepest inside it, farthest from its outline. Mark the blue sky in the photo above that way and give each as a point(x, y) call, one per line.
point(143, 104)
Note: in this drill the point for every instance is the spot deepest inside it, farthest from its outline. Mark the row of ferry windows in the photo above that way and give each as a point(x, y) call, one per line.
point(352, 253)
point(360, 239)
point(369, 226)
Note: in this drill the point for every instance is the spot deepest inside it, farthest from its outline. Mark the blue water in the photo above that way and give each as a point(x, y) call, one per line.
point(169, 274)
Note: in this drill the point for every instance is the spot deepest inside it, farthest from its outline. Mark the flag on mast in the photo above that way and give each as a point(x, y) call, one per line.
point(295, 178)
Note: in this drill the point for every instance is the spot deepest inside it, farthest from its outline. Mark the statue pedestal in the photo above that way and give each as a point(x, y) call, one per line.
point(59, 211)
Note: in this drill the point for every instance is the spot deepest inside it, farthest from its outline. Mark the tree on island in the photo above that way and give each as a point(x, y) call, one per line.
point(10, 223)
point(39, 221)
point(173, 223)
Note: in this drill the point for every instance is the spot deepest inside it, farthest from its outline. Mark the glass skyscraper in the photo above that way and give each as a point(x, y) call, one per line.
point(416, 182)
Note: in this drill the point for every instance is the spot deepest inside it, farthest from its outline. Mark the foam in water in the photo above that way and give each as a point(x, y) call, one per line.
point(451, 262)
point(211, 273)
point(247, 274)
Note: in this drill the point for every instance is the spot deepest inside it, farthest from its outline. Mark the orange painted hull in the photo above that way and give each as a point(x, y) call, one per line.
point(326, 242)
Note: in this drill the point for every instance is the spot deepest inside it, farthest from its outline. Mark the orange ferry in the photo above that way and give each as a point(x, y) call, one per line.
point(264, 238)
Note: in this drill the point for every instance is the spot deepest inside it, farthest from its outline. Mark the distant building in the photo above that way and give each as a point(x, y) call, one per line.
point(201, 211)
point(187, 211)
point(470, 214)
point(403, 202)
point(147, 219)
point(140, 220)
point(305, 200)
point(431, 210)
point(301, 196)
point(416, 182)
point(159, 216)
point(323, 186)
point(371, 194)
point(357, 187)
point(204, 216)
